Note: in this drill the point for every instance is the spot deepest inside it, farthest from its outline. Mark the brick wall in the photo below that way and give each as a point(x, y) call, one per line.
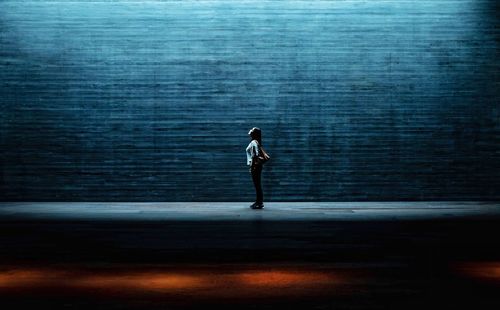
point(357, 100)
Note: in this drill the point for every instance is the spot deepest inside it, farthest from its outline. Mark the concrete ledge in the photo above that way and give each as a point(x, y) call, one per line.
point(239, 211)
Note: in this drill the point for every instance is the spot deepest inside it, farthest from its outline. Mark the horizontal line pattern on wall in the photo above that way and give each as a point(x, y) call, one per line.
point(152, 100)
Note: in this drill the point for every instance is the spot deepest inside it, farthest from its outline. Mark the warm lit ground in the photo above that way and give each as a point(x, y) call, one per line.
point(299, 255)
point(225, 281)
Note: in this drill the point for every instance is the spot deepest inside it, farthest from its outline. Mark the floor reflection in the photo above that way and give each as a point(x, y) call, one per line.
point(483, 271)
point(239, 281)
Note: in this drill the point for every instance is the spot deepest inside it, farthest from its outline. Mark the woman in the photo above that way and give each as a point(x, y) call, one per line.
point(254, 150)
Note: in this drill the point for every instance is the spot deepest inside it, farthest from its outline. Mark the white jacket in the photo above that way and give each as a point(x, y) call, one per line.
point(252, 150)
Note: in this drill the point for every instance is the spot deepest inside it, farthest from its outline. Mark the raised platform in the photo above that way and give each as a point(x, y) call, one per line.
point(239, 211)
point(321, 255)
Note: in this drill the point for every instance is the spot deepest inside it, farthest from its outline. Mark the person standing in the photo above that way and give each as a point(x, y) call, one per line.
point(256, 156)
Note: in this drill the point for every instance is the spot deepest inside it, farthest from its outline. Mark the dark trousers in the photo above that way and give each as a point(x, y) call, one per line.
point(256, 171)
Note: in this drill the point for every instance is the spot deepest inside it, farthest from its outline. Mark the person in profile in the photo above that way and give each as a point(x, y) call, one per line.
point(256, 157)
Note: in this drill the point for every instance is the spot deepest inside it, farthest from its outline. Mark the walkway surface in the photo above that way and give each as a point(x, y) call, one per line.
point(290, 255)
point(234, 211)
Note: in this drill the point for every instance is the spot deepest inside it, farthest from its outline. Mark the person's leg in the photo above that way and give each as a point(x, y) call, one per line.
point(256, 178)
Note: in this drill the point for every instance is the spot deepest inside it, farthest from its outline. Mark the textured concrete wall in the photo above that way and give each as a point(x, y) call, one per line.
point(358, 100)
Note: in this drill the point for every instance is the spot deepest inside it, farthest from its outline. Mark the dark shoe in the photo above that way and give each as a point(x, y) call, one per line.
point(254, 205)
point(260, 206)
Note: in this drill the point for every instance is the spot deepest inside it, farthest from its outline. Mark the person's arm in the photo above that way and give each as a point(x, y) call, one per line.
point(249, 152)
point(255, 151)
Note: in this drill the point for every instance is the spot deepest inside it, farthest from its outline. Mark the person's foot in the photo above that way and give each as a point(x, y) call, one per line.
point(257, 205)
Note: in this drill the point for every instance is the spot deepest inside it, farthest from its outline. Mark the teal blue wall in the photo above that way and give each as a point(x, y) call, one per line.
point(358, 100)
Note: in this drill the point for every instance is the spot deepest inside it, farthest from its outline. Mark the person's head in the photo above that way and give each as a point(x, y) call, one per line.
point(256, 134)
